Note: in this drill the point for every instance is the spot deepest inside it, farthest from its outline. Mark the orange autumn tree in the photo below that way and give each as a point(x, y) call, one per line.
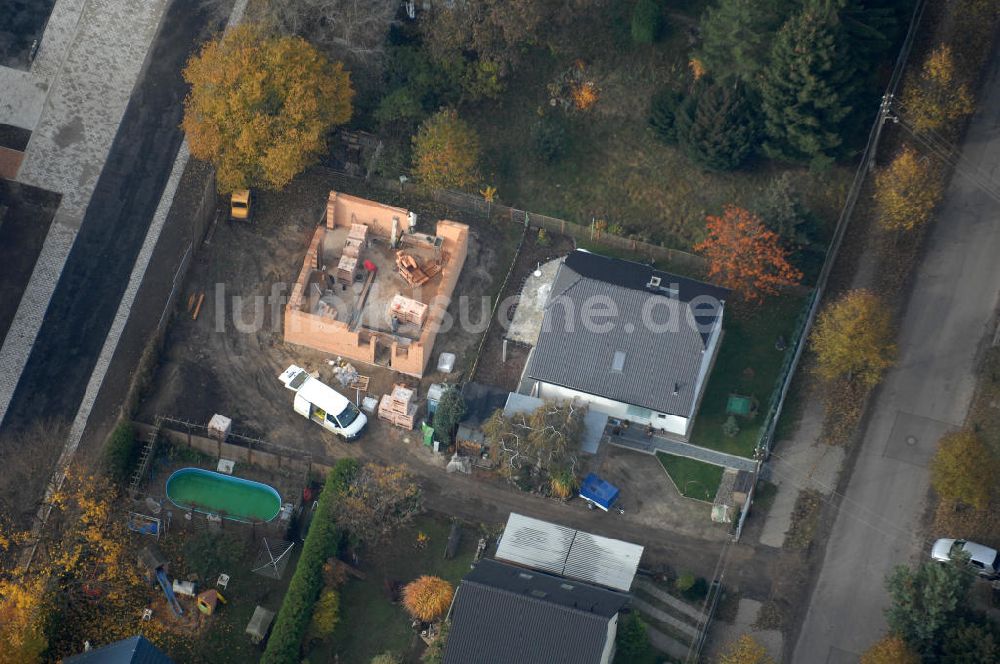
point(427, 598)
point(260, 108)
point(745, 256)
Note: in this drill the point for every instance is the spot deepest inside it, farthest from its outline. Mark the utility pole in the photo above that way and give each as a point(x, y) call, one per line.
point(883, 115)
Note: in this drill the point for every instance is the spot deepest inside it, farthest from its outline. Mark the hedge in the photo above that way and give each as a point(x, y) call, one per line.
point(323, 540)
point(121, 453)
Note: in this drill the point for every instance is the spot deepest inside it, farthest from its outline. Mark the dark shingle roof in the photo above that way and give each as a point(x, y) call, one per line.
point(629, 274)
point(652, 333)
point(508, 614)
point(134, 650)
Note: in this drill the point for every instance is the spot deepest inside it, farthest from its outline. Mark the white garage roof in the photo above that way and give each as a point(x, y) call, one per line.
point(574, 554)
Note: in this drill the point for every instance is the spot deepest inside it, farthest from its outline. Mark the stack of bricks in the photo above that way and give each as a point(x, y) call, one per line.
point(356, 239)
point(398, 408)
point(407, 310)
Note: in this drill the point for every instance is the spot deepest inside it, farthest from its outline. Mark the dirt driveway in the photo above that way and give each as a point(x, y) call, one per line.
point(227, 361)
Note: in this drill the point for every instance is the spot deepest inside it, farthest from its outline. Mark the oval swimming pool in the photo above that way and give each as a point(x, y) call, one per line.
point(230, 497)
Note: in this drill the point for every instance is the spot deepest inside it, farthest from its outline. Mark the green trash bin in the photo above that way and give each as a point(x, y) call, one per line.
point(428, 432)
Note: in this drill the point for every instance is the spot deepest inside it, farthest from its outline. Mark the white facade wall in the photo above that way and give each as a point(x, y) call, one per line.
point(609, 645)
point(670, 423)
point(706, 362)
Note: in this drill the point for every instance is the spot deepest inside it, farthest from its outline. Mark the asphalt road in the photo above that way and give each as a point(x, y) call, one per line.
point(950, 310)
point(113, 229)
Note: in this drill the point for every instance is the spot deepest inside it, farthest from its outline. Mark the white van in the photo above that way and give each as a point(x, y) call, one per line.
point(323, 405)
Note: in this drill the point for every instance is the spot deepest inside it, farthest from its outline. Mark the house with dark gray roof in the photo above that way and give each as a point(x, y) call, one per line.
point(631, 341)
point(504, 614)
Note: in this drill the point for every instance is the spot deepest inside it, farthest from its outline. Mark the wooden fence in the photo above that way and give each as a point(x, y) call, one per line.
point(664, 257)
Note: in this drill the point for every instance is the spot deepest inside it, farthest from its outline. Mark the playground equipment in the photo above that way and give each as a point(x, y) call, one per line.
point(161, 577)
point(229, 497)
point(272, 559)
point(151, 560)
point(209, 600)
point(144, 524)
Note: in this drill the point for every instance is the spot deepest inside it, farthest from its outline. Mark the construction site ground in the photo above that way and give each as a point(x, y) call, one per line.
point(210, 365)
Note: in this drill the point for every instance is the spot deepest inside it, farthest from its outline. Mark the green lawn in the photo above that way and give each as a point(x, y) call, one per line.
point(369, 623)
point(613, 167)
point(694, 479)
point(206, 554)
point(748, 364)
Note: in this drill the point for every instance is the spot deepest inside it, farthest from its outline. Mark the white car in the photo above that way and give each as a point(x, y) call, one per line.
point(985, 560)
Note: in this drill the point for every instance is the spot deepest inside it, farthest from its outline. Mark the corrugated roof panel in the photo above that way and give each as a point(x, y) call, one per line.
point(534, 543)
point(602, 560)
point(557, 549)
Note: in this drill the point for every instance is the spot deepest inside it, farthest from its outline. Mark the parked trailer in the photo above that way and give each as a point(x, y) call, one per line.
point(598, 492)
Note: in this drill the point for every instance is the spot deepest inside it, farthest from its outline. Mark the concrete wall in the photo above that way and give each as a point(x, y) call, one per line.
point(336, 338)
point(212, 447)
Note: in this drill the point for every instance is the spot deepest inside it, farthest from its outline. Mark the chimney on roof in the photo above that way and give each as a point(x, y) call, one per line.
point(677, 389)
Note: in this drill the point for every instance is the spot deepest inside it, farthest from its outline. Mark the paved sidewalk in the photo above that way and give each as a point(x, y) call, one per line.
point(805, 462)
point(665, 597)
point(928, 393)
point(90, 90)
point(634, 439)
point(664, 617)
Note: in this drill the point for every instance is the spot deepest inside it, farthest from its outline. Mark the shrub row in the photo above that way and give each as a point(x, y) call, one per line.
point(323, 541)
point(121, 452)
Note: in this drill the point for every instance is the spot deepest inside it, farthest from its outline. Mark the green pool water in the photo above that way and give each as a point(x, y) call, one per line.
point(230, 497)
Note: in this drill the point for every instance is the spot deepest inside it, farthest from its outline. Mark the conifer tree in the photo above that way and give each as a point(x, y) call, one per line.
point(736, 35)
point(809, 89)
point(717, 126)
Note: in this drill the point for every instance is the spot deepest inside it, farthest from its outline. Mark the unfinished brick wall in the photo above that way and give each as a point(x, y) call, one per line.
point(344, 210)
point(412, 359)
point(307, 329)
point(336, 338)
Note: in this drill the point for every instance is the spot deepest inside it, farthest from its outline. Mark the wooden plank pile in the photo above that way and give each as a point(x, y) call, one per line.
point(397, 407)
point(407, 310)
point(410, 270)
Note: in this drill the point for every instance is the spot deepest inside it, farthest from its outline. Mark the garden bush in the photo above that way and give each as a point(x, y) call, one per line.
point(684, 582)
point(296, 612)
point(121, 453)
point(549, 138)
point(663, 114)
point(326, 615)
point(647, 21)
point(697, 591)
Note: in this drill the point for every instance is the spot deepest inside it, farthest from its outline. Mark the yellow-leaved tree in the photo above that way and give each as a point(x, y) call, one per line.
point(936, 96)
point(427, 598)
point(906, 191)
point(853, 338)
point(260, 107)
point(745, 650)
point(963, 469)
point(446, 151)
point(23, 610)
point(890, 650)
